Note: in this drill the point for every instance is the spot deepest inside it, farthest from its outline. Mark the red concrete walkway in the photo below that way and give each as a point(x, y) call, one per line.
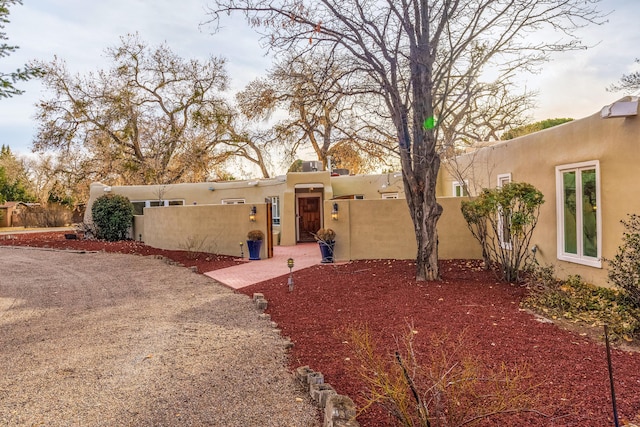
point(304, 255)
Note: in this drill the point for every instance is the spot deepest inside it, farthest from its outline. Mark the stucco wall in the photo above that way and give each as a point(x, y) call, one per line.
point(208, 228)
point(615, 143)
point(380, 229)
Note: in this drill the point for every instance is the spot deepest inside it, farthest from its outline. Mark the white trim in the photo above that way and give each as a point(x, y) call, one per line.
point(233, 201)
point(161, 203)
point(503, 178)
point(275, 210)
point(389, 195)
point(464, 187)
point(561, 254)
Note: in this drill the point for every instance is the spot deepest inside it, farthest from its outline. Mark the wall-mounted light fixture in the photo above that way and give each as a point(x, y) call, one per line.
point(252, 214)
point(334, 212)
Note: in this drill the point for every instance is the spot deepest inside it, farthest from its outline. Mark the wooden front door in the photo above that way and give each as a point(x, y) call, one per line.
point(308, 218)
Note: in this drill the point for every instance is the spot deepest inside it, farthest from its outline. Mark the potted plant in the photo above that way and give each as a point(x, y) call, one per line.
point(326, 239)
point(254, 244)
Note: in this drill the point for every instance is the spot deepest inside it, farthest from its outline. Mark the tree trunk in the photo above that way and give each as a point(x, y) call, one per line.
point(425, 213)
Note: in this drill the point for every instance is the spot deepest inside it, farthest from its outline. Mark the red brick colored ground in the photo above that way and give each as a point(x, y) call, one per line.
point(570, 368)
point(56, 240)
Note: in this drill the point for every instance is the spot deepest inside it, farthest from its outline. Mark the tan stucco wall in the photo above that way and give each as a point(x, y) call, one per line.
point(614, 142)
point(214, 228)
point(381, 229)
point(370, 186)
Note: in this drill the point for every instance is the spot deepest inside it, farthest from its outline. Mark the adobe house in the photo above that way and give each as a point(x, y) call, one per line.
point(587, 170)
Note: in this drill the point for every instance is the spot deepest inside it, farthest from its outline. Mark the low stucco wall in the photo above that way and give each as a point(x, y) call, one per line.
point(381, 229)
point(208, 228)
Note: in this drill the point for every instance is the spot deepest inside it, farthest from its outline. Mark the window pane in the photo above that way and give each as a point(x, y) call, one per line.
point(138, 208)
point(569, 193)
point(589, 222)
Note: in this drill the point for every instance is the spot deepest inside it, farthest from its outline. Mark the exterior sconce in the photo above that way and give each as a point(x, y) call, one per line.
point(252, 214)
point(290, 265)
point(334, 212)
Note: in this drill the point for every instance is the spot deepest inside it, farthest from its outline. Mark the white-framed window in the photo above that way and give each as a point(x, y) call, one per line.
point(139, 205)
point(460, 188)
point(275, 210)
point(579, 220)
point(389, 195)
point(504, 232)
point(233, 201)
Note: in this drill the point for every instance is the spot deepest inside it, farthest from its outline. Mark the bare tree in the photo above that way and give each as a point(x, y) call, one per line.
point(628, 83)
point(153, 118)
point(424, 59)
point(246, 142)
point(320, 105)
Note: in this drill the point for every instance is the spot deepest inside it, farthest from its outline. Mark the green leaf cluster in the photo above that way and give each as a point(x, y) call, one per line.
point(625, 266)
point(533, 127)
point(502, 220)
point(579, 302)
point(112, 215)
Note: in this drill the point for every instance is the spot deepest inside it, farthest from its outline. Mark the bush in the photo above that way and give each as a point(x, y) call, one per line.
point(112, 215)
point(625, 267)
point(325, 235)
point(444, 386)
point(255, 235)
point(579, 302)
point(503, 220)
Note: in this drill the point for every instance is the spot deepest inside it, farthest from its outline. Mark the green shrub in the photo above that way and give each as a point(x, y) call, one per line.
point(112, 215)
point(503, 220)
point(579, 302)
point(625, 267)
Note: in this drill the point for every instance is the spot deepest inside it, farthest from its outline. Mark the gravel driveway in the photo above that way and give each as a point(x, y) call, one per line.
point(95, 339)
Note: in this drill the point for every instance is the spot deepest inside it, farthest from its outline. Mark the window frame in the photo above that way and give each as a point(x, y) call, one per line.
point(233, 201)
point(389, 196)
point(275, 210)
point(464, 188)
point(579, 257)
point(502, 179)
point(160, 203)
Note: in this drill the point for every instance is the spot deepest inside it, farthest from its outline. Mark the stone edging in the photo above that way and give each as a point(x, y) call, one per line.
point(337, 410)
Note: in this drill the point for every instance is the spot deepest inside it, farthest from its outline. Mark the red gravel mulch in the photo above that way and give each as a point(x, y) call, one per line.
point(56, 240)
point(570, 368)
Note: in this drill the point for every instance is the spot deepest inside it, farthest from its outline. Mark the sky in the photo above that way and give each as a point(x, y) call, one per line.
point(572, 85)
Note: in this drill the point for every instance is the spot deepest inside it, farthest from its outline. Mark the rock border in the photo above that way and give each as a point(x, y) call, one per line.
point(337, 410)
